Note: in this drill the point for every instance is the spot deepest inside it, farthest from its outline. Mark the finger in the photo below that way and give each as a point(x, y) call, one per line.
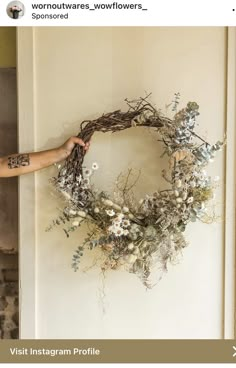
point(87, 145)
point(78, 141)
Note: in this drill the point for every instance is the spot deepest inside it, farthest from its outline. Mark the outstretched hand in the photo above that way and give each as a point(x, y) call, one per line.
point(68, 146)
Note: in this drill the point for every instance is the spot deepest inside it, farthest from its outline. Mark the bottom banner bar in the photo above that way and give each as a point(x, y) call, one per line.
point(118, 351)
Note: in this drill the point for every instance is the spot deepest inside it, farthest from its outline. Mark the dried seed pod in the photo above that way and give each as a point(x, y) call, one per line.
point(184, 195)
point(178, 183)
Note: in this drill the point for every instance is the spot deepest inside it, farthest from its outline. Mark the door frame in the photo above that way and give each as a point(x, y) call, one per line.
point(27, 186)
point(27, 189)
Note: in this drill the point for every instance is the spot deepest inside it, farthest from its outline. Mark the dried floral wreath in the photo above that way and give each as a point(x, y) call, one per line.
point(139, 234)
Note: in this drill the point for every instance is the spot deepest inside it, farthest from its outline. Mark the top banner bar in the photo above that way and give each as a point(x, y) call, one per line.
point(117, 13)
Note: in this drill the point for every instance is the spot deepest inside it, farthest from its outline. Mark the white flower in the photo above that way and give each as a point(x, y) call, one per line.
point(118, 231)
point(131, 246)
point(125, 223)
point(111, 229)
point(120, 216)
point(126, 232)
point(95, 166)
point(96, 210)
point(81, 213)
point(190, 200)
point(125, 209)
point(110, 212)
point(117, 221)
point(87, 172)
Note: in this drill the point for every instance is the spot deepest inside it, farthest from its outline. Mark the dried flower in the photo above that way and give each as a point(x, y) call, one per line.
point(131, 246)
point(72, 212)
point(118, 231)
point(125, 223)
point(125, 209)
point(179, 183)
point(110, 213)
point(116, 207)
point(86, 181)
point(15, 8)
point(108, 202)
point(87, 172)
point(95, 166)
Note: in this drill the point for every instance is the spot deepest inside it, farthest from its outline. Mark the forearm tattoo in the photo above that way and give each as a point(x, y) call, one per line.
point(14, 162)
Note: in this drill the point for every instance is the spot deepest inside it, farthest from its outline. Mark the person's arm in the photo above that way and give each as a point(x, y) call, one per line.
point(19, 164)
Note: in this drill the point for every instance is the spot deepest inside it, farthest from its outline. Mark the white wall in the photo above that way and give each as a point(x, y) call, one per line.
point(81, 73)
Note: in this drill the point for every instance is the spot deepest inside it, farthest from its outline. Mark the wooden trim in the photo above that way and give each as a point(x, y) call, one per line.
point(230, 190)
point(27, 206)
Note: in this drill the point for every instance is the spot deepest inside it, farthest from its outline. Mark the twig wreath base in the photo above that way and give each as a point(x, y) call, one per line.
point(140, 234)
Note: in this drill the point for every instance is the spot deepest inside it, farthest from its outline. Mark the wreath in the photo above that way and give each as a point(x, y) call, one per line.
point(139, 234)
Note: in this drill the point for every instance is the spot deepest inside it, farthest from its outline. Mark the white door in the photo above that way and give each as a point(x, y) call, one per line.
point(70, 74)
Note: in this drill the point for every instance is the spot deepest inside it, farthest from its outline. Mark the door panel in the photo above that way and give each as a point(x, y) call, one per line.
point(106, 66)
